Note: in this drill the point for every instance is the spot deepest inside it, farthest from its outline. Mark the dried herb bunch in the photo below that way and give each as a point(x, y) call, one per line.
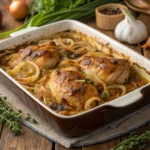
point(10, 116)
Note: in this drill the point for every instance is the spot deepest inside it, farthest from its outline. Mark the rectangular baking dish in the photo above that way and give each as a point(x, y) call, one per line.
point(90, 120)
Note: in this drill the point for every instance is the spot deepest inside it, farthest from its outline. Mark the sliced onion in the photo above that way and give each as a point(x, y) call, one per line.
point(98, 54)
point(44, 42)
point(63, 42)
point(90, 101)
point(66, 63)
point(28, 87)
point(97, 80)
point(31, 73)
point(117, 86)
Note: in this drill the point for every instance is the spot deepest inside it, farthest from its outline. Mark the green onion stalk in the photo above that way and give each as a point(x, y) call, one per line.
point(40, 19)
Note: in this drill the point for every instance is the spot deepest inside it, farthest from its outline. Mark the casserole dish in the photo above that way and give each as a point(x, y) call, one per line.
point(92, 119)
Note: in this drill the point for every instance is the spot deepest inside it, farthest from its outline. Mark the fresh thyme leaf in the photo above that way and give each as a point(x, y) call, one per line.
point(72, 55)
point(28, 117)
point(133, 141)
point(34, 121)
point(105, 95)
point(86, 80)
point(20, 111)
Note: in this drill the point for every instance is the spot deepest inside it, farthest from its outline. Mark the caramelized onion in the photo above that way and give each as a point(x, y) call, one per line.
point(89, 102)
point(26, 72)
point(117, 86)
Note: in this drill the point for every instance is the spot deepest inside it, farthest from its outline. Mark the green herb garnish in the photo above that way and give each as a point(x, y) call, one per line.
point(135, 140)
point(10, 116)
point(86, 80)
point(105, 95)
point(71, 55)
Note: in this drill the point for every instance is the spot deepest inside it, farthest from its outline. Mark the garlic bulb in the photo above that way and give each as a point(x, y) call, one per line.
point(131, 30)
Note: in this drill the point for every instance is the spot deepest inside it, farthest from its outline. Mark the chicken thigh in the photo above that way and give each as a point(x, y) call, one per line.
point(110, 70)
point(45, 57)
point(65, 89)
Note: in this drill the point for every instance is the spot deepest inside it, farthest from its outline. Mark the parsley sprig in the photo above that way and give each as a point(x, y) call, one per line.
point(134, 140)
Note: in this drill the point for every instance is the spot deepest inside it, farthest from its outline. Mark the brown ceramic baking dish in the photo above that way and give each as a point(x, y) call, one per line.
point(92, 119)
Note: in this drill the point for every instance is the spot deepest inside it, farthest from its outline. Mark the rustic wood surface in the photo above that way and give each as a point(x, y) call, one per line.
point(30, 140)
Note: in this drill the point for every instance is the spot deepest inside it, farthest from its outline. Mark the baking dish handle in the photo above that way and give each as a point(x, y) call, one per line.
point(129, 98)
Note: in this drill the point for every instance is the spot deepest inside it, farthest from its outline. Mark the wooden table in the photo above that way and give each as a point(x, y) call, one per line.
point(30, 140)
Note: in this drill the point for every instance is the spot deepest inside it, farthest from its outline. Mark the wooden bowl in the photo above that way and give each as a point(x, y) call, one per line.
point(108, 22)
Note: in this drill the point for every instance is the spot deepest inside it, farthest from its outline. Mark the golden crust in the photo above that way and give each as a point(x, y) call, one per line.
point(45, 57)
point(65, 89)
point(108, 69)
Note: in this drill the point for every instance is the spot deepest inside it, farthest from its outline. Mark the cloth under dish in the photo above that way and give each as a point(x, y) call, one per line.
point(115, 129)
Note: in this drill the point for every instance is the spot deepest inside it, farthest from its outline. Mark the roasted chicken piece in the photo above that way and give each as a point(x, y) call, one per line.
point(108, 69)
point(45, 57)
point(65, 89)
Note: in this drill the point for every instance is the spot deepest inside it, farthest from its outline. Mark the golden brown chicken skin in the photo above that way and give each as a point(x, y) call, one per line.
point(45, 57)
point(110, 70)
point(66, 90)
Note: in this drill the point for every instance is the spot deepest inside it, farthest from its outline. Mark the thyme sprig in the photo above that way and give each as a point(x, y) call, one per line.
point(134, 140)
point(10, 116)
